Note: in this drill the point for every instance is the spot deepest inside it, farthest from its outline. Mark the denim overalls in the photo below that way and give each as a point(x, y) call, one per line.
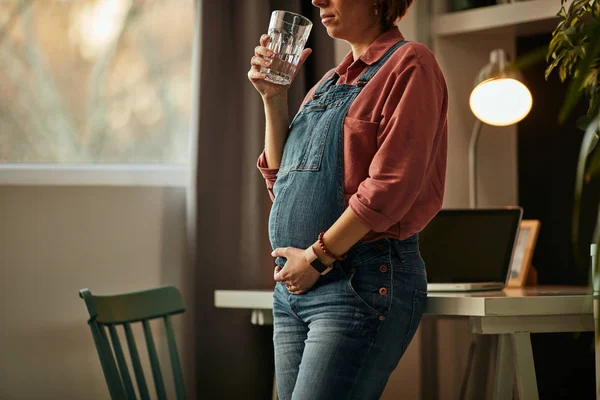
point(343, 338)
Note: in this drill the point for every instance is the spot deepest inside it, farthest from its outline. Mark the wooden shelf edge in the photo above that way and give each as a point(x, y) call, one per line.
point(494, 17)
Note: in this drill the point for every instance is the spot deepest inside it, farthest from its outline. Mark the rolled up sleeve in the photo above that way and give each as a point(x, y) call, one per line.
point(407, 133)
point(270, 174)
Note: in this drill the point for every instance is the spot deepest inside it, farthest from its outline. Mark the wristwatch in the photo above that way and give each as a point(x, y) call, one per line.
point(317, 264)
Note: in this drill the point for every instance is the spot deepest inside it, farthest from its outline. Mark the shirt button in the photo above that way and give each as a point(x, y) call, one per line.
point(383, 268)
point(383, 291)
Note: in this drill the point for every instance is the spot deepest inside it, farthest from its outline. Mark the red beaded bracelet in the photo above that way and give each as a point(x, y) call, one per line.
point(327, 252)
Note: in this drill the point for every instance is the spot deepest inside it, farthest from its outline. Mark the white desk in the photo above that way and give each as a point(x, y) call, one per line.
point(512, 314)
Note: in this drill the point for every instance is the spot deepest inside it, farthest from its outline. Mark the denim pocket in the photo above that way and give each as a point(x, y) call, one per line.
point(418, 308)
point(305, 146)
point(371, 284)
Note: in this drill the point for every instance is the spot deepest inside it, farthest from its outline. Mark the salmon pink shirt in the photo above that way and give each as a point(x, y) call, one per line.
point(395, 139)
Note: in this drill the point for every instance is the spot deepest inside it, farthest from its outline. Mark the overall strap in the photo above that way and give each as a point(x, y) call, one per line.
point(327, 83)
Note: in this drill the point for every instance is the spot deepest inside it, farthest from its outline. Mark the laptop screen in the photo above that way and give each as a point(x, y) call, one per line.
point(471, 245)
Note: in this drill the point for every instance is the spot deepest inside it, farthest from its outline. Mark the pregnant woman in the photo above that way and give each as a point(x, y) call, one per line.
point(354, 177)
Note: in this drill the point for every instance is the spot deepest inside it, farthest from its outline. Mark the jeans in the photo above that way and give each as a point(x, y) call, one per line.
point(344, 337)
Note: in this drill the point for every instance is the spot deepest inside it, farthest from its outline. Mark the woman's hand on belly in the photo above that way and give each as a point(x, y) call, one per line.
point(297, 275)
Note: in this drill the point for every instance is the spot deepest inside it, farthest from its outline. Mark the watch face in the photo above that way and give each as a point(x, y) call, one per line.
point(318, 265)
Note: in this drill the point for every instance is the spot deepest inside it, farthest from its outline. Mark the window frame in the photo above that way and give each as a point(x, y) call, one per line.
point(165, 175)
point(112, 174)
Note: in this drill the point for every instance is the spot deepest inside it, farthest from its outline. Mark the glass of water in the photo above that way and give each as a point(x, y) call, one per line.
point(288, 33)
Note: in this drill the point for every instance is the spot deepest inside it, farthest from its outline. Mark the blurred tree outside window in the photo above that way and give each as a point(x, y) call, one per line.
point(95, 81)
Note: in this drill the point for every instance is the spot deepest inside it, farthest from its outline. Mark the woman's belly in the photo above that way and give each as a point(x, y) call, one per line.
point(303, 207)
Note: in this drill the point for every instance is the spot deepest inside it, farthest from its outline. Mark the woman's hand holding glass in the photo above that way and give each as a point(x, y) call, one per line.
point(263, 58)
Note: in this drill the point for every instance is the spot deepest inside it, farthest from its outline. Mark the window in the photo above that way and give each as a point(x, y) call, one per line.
point(95, 81)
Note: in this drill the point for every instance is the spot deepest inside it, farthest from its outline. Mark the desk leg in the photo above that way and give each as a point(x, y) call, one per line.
point(504, 374)
point(274, 395)
point(525, 368)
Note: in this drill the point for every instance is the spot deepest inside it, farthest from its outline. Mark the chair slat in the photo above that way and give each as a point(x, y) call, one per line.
point(174, 356)
point(137, 365)
point(116, 342)
point(113, 380)
point(154, 363)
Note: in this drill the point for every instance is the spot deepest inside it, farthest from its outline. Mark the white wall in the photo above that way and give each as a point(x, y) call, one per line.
point(55, 240)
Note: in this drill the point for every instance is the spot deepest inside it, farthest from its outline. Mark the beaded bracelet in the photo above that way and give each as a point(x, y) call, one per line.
point(327, 252)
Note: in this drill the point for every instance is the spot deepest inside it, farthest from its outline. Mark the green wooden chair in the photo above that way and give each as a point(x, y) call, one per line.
point(110, 311)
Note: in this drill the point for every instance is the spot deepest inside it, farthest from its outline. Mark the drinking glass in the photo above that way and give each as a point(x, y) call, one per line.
point(288, 33)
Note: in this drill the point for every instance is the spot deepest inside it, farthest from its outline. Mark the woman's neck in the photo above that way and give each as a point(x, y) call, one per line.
point(360, 46)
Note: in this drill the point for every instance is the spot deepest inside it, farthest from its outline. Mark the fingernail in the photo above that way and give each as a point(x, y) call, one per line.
point(270, 54)
point(273, 253)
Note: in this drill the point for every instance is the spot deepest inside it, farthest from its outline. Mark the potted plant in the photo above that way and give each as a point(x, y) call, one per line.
point(575, 52)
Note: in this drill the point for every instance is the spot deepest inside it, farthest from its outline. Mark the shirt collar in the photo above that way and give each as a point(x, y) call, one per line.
point(375, 51)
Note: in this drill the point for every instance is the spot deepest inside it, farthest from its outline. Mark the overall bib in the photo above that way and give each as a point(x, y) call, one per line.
point(342, 338)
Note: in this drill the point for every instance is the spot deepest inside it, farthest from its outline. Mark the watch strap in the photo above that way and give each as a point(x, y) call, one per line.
point(315, 262)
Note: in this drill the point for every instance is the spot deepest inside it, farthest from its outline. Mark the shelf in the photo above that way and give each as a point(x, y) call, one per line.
point(520, 15)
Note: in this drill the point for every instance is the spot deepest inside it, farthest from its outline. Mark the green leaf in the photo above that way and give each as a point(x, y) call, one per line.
point(554, 45)
point(562, 72)
point(591, 78)
point(577, 6)
point(596, 9)
point(583, 122)
point(562, 13)
point(592, 49)
point(567, 34)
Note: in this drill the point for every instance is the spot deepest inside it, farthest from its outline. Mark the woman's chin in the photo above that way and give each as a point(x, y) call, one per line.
point(334, 32)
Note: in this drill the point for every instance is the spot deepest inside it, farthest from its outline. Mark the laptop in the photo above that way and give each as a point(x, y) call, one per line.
point(470, 249)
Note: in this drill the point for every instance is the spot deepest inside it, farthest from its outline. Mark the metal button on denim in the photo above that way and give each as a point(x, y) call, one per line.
point(383, 291)
point(383, 268)
point(381, 317)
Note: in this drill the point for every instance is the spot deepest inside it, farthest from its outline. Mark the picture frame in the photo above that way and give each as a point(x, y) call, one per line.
point(523, 253)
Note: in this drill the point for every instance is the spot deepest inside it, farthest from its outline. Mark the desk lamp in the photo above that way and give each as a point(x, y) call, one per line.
point(499, 98)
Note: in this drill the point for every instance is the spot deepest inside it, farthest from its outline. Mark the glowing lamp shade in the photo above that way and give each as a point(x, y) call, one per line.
point(499, 98)
point(500, 101)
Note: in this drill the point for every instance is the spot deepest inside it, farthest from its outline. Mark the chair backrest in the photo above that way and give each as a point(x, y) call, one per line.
point(109, 312)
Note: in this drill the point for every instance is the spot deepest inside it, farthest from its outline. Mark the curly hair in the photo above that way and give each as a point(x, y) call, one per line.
point(391, 11)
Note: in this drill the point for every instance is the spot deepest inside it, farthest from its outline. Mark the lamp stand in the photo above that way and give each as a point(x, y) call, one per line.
point(479, 357)
point(473, 163)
